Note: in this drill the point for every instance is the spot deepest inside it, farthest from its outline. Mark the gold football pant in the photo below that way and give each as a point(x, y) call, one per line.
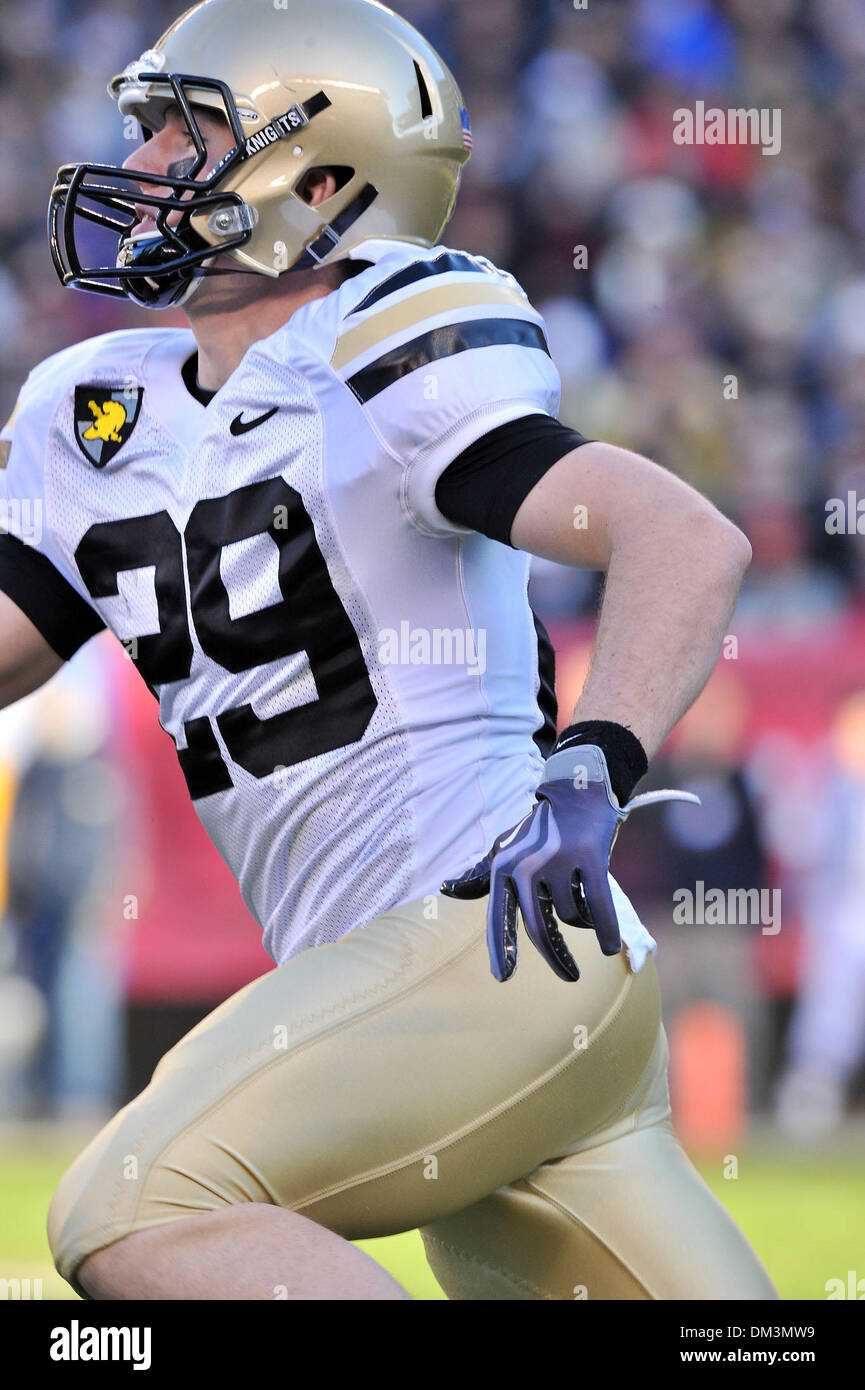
point(387, 1081)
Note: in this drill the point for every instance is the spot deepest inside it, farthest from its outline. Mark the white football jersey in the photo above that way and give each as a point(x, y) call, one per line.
point(353, 683)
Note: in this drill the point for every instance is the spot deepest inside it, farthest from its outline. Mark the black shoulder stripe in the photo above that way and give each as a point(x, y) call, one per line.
point(443, 342)
point(442, 265)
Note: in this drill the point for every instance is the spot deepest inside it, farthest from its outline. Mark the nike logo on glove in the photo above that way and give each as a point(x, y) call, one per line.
point(553, 867)
point(240, 426)
point(503, 844)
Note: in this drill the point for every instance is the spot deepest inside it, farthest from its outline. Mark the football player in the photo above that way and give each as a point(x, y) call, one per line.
point(310, 518)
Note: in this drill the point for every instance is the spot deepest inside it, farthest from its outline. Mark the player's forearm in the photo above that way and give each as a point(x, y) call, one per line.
point(26, 660)
point(674, 568)
point(667, 603)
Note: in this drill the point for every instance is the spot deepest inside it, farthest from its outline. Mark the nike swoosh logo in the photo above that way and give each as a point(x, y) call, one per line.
point(240, 426)
point(503, 844)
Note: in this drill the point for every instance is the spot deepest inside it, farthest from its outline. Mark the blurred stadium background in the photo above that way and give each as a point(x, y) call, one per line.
point(120, 926)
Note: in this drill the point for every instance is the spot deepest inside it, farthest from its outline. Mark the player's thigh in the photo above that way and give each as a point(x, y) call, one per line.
point(626, 1216)
point(373, 1084)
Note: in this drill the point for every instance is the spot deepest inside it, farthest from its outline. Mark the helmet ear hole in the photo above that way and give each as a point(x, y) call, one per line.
point(341, 174)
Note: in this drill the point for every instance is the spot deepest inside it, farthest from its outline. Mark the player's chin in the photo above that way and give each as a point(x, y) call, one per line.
point(223, 292)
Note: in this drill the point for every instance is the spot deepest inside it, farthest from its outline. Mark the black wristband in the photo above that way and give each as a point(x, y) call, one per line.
point(625, 755)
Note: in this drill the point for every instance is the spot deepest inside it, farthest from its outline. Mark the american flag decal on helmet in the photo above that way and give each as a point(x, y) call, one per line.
point(467, 128)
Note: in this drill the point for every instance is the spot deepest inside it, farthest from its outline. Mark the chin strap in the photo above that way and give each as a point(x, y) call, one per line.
point(336, 230)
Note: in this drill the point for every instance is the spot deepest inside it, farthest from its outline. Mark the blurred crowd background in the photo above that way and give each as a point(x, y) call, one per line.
point(716, 323)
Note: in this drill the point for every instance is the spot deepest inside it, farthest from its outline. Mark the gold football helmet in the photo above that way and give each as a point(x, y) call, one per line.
point(303, 84)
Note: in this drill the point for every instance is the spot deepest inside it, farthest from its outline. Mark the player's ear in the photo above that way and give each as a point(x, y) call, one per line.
point(316, 185)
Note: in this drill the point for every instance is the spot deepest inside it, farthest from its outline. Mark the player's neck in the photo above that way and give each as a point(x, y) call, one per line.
point(238, 311)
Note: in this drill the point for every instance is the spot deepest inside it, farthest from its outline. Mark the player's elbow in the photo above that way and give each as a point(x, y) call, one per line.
point(721, 550)
point(741, 549)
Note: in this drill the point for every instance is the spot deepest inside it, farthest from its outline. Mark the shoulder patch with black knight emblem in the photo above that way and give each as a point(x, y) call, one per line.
point(105, 417)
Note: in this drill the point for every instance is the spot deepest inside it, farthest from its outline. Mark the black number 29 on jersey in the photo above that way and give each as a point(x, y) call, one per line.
point(310, 619)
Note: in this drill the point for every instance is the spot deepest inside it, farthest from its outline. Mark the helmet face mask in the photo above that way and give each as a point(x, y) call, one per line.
point(172, 256)
point(344, 85)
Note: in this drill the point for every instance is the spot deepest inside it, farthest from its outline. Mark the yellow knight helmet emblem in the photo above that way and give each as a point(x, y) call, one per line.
point(105, 417)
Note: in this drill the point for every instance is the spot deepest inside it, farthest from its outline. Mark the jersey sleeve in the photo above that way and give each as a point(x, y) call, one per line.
point(439, 355)
point(31, 571)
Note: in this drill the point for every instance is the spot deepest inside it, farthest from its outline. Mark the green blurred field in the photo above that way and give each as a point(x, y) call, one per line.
point(804, 1215)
